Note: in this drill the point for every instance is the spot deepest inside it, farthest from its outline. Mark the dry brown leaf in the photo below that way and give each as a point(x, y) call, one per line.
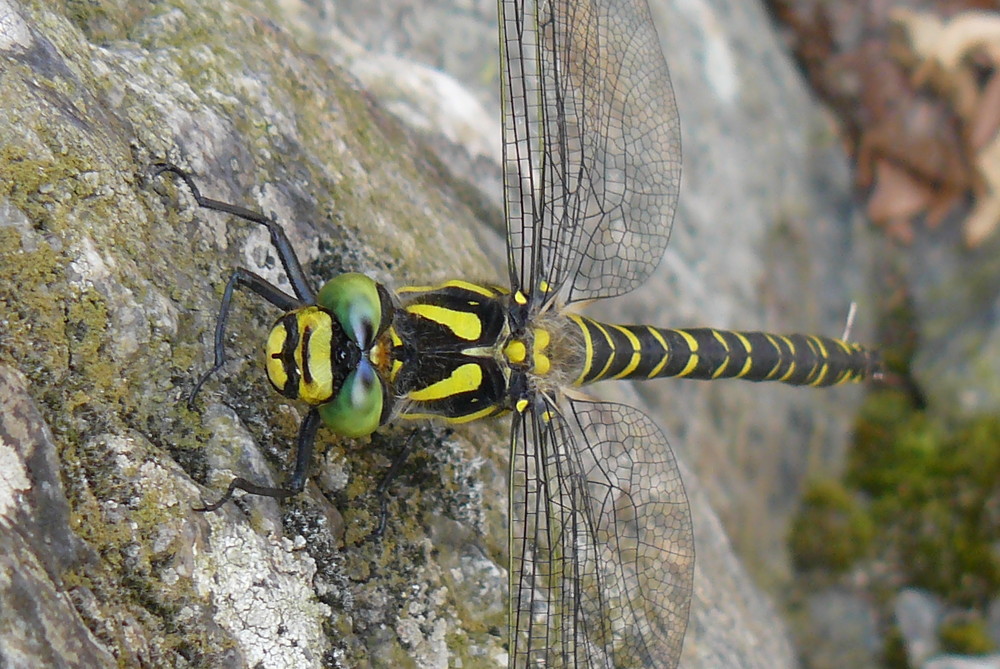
point(981, 223)
point(985, 216)
point(985, 122)
point(896, 193)
point(899, 196)
point(948, 43)
point(943, 54)
point(921, 138)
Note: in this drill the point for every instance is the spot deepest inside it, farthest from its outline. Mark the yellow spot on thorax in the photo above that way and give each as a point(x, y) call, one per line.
point(515, 351)
point(542, 339)
point(542, 364)
point(540, 361)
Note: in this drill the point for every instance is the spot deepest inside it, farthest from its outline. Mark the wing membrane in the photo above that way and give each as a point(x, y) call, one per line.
point(602, 550)
point(591, 145)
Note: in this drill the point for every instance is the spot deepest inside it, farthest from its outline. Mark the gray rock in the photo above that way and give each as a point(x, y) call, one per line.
point(42, 614)
point(956, 295)
point(842, 630)
point(962, 662)
point(993, 620)
point(918, 616)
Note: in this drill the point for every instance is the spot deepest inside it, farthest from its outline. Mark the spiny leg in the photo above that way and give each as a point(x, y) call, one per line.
point(247, 279)
point(290, 261)
point(303, 454)
point(244, 277)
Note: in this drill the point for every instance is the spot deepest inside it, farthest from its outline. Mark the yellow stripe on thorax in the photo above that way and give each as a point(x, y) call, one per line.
point(463, 324)
point(456, 420)
point(397, 365)
point(465, 378)
point(485, 291)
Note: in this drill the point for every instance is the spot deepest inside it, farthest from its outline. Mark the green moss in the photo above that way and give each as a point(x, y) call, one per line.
point(893, 444)
point(933, 489)
point(98, 19)
point(920, 500)
point(832, 530)
point(33, 335)
point(945, 516)
point(966, 636)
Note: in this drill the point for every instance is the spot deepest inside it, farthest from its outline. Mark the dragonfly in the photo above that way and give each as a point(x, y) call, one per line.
point(600, 544)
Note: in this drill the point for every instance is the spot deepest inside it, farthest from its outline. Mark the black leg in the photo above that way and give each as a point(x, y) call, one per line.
point(285, 251)
point(307, 437)
point(242, 278)
point(304, 449)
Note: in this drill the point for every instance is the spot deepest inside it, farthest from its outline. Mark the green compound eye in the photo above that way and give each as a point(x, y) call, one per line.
point(356, 410)
point(356, 302)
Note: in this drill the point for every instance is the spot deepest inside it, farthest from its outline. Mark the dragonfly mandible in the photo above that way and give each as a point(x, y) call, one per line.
point(601, 562)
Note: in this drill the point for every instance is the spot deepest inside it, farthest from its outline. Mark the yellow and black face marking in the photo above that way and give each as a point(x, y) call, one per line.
point(308, 355)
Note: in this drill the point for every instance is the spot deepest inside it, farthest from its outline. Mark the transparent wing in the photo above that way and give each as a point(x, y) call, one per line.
point(602, 550)
point(592, 154)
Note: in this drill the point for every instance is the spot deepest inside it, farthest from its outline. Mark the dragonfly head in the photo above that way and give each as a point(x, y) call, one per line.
point(320, 354)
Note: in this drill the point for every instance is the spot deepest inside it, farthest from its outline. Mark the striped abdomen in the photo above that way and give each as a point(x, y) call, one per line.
point(645, 352)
